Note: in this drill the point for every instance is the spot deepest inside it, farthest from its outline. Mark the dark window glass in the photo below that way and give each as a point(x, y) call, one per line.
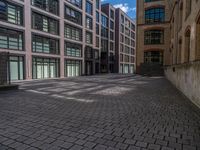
point(73, 33)
point(88, 22)
point(11, 13)
point(11, 39)
point(153, 57)
point(88, 38)
point(155, 15)
point(73, 15)
point(77, 3)
point(44, 23)
point(51, 6)
point(88, 8)
point(97, 4)
point(88, 52)
point(45, 45)
point(154, 37)
point(97, 16)
point(73, 49)
point(104, 45)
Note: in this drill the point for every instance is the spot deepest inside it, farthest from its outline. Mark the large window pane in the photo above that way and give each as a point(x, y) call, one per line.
point(45, 68)
point(11, 12)
point(11, 39)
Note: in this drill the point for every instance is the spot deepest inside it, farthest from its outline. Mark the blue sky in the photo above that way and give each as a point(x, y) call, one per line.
point(128, 6)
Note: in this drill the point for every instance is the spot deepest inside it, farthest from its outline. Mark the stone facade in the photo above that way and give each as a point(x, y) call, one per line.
point(4, 68)
point(143, 25)
point(184, 68)
point(181, 42)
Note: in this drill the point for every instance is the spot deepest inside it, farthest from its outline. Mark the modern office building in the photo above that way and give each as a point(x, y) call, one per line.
point(108, 51)
point(124, 42)
point(51, 38)
point(168, 33)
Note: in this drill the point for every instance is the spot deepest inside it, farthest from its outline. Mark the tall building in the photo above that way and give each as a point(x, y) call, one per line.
point(153, 33)
point(171, 27)
point(54, 38)
point(124, 42)
point(108, 53)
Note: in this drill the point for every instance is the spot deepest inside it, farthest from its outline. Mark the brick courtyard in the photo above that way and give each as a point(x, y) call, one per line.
point(98, 112)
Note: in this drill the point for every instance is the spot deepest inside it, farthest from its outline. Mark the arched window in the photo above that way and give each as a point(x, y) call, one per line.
point(198, 39)
point(179, 50)
point(187, 45)
point(155, 15)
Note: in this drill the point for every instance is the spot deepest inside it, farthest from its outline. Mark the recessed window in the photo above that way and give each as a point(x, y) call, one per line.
point(73, 49)
point(45, 24)
point(73, 15)
point(73, 33)
point(72, 68)
point(11, 13)
point(89, 8)
point(154, 37)
point(88, 23)
point(16, 64)
point(45, 68)
point(42, 44)
point(88, 37)
point(51, 6)
point(77, 3)
point(11, 39)
point(155, 15)
point(155, 57)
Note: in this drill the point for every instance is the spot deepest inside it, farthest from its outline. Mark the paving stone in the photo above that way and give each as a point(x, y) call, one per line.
point(154, 147)
point(98, 112)
point(141, 144)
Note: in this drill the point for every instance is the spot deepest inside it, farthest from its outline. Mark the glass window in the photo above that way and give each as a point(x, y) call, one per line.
point(88, 22)
point(11, 13)
point(45, 68)
point(97, 16)
point(154, 15)
point(45, 45)
point(51, 6)
point(73, 15)
point(153, 57)
point(73, 49)
point(11, 39)
point(97, 4)
point(73, 33)
point(16, 67)
point(77, 3)
point(154, 37)
point(72, 68)
point(46, 24)
point(89, 37)
point(88, 8)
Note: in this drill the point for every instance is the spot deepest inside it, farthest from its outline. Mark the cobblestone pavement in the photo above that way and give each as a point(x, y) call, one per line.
point(99, 112)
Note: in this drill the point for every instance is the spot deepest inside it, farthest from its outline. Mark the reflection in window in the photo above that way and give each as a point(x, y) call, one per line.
point(11, 13)
point(72, 68)
point(16, 68)
point(154, 15)
point(45, 45)
point(153, 57)
point(11, 39)
point(45, 68)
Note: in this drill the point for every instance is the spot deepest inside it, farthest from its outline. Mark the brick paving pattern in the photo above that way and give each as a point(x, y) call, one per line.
point(108, 112)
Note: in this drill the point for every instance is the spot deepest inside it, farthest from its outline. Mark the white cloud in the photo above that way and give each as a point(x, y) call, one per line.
point(103, 0)
point(125, 7)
